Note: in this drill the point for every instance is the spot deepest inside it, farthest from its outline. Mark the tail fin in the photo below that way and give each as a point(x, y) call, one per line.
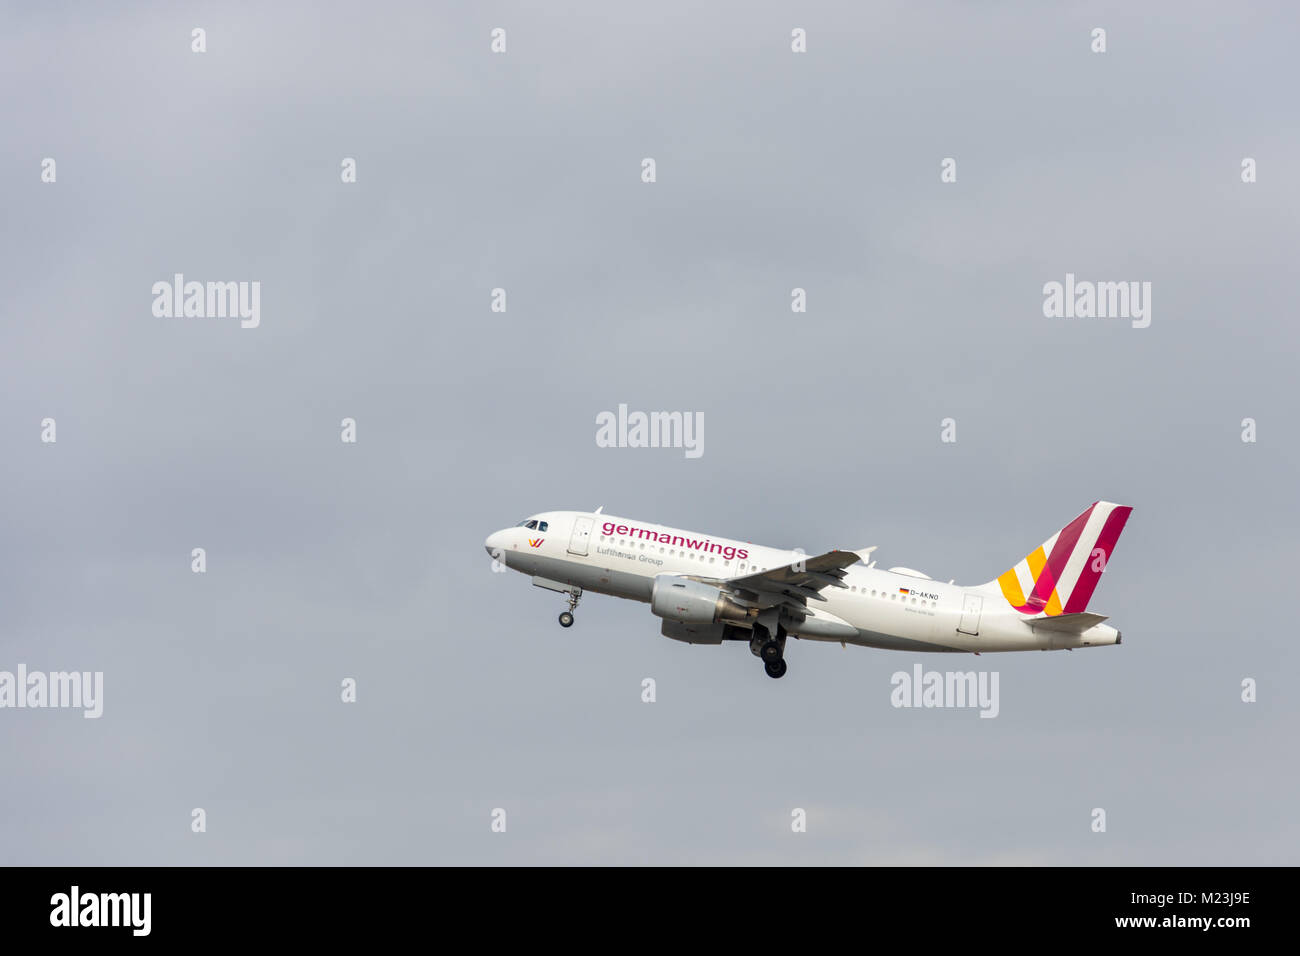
point(1060, 576)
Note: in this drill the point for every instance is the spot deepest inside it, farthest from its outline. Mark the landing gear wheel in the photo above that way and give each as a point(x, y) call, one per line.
point(566, 617)
point(770, 652)
point(775, 668)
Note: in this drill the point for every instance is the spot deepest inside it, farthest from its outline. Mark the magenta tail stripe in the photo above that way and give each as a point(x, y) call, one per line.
point(1088, 577)
point(1061, 552)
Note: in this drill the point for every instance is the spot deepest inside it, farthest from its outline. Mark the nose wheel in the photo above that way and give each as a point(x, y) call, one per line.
point(775, 668)
point(566, 617)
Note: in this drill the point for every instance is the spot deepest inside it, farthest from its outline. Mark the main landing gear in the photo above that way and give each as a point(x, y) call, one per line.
point(566, 617)
point(771, 650)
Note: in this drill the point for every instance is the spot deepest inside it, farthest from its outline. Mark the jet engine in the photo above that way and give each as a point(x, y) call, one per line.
point(676, 598)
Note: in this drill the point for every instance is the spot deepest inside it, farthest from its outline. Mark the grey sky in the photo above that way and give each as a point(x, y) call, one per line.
point(521, 171)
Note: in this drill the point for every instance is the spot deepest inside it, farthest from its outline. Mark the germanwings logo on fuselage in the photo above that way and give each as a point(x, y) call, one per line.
point(728, 552)
point(535, 542)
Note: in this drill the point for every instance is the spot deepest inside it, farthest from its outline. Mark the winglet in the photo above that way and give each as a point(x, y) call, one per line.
point(865, 554)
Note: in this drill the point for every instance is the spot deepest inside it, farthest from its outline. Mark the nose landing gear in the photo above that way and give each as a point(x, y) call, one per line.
point(566, 617)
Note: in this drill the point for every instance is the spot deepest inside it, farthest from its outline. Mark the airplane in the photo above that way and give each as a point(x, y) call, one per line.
point(708, 589)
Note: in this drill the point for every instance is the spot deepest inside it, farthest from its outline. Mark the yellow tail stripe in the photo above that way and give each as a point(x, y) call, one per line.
point(1037, 561)
point(1010, 585)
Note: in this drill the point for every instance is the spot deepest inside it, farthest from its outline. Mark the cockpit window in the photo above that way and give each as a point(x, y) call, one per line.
point(541, 526)
point(531, 524)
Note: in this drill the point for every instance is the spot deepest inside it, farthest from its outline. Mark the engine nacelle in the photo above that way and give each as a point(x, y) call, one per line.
point(694, 633)
point(676, 598)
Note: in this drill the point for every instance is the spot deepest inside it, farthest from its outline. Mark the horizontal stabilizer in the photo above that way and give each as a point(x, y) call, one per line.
point(1069, 623)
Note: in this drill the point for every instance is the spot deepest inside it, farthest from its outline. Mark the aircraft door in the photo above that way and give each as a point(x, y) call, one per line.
point(970, 614)
point(581, 534)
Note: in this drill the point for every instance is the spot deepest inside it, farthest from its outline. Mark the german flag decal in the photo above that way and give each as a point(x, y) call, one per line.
point(904, 590)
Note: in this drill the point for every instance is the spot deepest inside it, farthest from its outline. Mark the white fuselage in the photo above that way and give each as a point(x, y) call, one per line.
point(886, 609)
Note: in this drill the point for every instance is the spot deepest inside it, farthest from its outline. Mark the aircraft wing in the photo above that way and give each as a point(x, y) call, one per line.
point(793, 585)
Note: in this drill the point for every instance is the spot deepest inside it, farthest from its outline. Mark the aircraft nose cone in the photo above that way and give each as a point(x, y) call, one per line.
point(495, 544)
